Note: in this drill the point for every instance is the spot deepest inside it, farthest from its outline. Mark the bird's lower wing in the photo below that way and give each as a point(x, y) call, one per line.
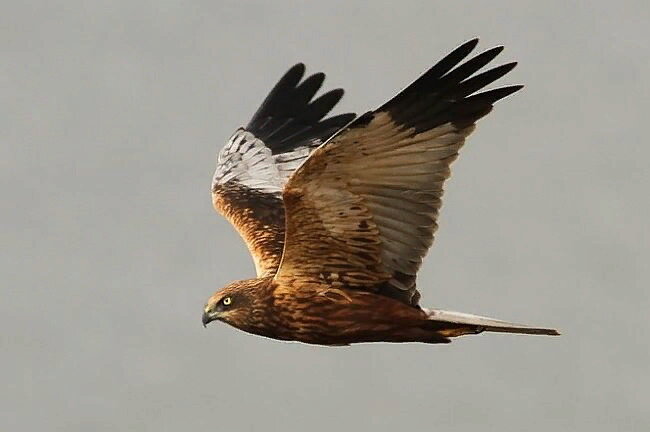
point(256, 162)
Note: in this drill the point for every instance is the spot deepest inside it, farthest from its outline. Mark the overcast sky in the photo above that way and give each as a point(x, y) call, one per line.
point(111, 114)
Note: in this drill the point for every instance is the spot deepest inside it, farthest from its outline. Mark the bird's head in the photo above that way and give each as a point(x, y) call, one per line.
point(237, 304)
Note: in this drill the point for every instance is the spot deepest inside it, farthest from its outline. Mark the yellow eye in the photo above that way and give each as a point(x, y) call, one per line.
point(226, 301)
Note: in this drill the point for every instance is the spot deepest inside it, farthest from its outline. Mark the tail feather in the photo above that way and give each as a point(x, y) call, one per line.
point(478, 323)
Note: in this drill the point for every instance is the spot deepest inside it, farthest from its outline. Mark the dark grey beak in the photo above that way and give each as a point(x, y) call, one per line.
point(207, 318)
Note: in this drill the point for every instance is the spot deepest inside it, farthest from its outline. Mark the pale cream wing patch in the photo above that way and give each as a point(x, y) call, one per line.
point(362, 209)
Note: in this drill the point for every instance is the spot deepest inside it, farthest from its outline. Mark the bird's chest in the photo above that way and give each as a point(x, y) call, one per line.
point(331, 316)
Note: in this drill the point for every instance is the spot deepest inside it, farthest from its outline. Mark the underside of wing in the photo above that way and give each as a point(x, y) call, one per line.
point(255, 164)
point(362, 210)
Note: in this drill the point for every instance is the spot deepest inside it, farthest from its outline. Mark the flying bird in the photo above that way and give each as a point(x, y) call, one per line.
point(339, 212)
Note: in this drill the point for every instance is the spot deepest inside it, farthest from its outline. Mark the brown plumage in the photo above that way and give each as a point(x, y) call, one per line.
point(338, 219)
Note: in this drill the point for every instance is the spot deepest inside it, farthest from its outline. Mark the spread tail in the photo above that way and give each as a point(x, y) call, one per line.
point(463, 323)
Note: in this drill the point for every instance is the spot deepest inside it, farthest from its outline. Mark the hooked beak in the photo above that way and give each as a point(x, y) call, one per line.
point(207, 318)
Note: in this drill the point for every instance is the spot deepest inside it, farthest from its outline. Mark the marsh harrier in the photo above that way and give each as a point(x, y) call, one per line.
point(339, 212)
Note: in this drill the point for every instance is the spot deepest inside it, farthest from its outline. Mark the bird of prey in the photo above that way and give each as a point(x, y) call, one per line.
point(339, 212)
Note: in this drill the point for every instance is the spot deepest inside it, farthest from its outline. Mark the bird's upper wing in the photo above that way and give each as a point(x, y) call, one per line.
point(253, 167)
point(362, 209)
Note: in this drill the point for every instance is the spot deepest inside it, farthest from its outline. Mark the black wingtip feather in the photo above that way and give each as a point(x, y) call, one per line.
point(289, 118)
point(308, 88)
point(445, 93)
point(323, 104)
point(341, 119)
point(472, 65)
point(297, 69)
point(492, 96)
point(322, 131)
point(483, 79)
point(453, 58)
point(435, 72)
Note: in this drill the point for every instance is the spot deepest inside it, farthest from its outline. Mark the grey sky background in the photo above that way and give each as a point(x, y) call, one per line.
point(111, 114)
